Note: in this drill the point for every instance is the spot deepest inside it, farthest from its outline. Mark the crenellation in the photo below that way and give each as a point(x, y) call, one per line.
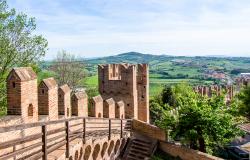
point(129, 83)
point(48, 98)
point(64, 101)
point(79, 103)
point(109, 108)
point(119, 110)
point(96, 108)
point(22, 93)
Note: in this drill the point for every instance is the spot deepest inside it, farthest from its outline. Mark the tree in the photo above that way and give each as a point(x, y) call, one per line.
point(18, 45)
point(200, 122)
point(244, 97)
point(68, 69)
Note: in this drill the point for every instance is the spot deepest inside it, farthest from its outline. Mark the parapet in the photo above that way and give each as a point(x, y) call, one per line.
point(119, 110)
point(109, 108)
point(65, 88)
point(80, 95)
point(23, 73)
point(79, 103)
point(96, 109)
point(49, 83)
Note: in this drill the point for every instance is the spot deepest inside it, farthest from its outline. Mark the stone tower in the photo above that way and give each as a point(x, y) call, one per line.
point(64, 101)
point(22, 95)
point(124, 82)
point(48, 98)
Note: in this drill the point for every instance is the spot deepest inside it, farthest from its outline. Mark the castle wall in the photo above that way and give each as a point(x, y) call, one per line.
point(22, 98)
point(143, 92)
point(64, 101)
point(79, 102)
point(119, 110)
point(129, 83)
point(48, 99)
point(96, 108)
point(109, 108)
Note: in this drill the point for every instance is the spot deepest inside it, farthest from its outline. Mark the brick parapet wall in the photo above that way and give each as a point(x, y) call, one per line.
point(148, 130)
point(185, 153)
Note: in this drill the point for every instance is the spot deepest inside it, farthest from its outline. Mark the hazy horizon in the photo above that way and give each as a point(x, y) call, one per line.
point(92, 28)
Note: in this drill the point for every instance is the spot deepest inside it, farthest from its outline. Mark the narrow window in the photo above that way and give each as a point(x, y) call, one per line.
point(42, 91)
point(30, 110)
point(67, 112)
point(13, 84)
point(127, 104)
point(99, 115)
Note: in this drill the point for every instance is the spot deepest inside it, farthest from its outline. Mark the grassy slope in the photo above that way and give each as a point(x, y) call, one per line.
point(168, 70)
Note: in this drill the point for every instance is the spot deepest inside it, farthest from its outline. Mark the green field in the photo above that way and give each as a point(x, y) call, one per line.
point(169, 70)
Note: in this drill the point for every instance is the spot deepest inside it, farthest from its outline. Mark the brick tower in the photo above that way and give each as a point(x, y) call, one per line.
point(122, 82)
point(22, 96)
point(48, 98)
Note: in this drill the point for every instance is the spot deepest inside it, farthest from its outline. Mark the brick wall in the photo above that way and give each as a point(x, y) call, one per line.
point(48, 98)
point(148, 130)
point(109, 108)
point(143, 92)
point(79, 102)
point(22, 96)
point(129, 83)
point(64, 101)
point(185, 153)
point(96, 108)
point(119, 110)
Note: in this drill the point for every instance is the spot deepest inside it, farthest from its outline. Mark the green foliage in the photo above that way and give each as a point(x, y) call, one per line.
point(244, 97)
point(18, 46)
point(199, 122)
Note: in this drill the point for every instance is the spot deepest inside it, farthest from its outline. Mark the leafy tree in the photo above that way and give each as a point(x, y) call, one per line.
point(167, 96)
point(244, 98)
point(68, 69)
point(18, 45)
point(199, 122)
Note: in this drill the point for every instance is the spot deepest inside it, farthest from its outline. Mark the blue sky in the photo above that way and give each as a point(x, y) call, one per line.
point(92, 28)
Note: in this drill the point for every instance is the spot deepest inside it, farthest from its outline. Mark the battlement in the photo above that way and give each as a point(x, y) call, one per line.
point(123, 94)
point(217, 90)
point(129, 83)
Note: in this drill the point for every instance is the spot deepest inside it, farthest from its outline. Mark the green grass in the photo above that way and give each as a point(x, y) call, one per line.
point(91, 81)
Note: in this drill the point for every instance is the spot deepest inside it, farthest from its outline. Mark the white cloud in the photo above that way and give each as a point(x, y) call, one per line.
point(180, 27)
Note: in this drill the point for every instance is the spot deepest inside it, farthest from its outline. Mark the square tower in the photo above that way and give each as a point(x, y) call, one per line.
point(128, 83)
point(48, 98)
point(120, 86)
point(22, 95)
point(64, 101)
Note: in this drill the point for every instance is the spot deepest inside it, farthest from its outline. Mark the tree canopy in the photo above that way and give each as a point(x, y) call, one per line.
point(68, 69)
point(18, 45)
point(199, 122)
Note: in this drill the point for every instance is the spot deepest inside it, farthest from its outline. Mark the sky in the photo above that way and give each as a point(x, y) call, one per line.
point(95, 28)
